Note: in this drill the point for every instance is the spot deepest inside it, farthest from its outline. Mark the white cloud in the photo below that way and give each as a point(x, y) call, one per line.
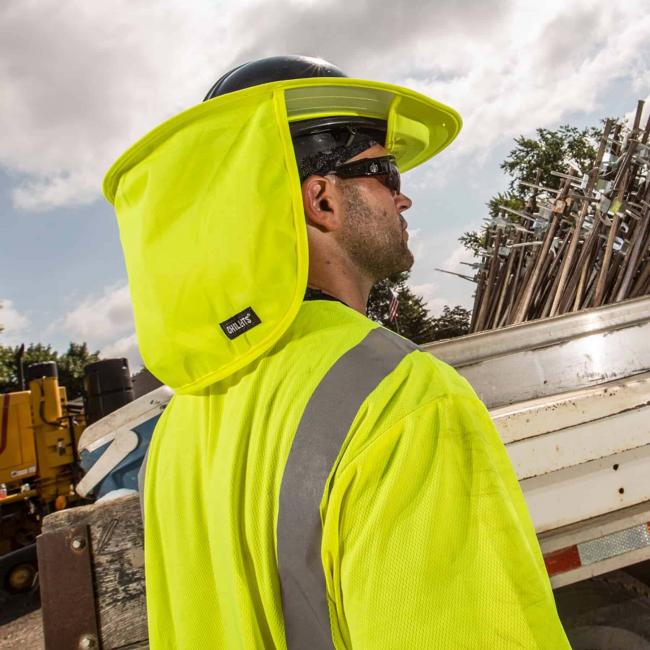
point(539, 69)
point(82, 81)
point(104, 321)
point(430, 293)
point(458, 260)
point(645, 114)
point(99, 319)
point(443, 251)
point(14, 324)
point(56, 190)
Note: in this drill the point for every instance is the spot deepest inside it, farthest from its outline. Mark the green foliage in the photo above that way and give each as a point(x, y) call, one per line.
point(35, 353)
point(7, 369)
point(551, 150)
point(70, 364)
point(507, 199)
point(413, 319)
point(474, 241)
point(71, 367)
point(454, 321)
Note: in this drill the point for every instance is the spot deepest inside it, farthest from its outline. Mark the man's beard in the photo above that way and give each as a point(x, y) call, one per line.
point(372, 239)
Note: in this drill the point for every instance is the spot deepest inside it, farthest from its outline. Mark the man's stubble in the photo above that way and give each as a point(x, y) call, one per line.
point(373, 238)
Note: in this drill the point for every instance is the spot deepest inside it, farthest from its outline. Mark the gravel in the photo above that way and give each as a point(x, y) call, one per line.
point(23, 633)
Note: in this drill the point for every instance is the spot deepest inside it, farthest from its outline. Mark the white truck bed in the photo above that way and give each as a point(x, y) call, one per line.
point(571, 398)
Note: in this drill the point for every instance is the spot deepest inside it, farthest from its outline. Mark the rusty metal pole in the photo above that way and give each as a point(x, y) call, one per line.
point(575, 237)
point(521, 310)
point(546, 299)
point(480, 285)
point(616, 220)
point(587, 267)
point(507, 280)
point(485, 302)
point(639, 235)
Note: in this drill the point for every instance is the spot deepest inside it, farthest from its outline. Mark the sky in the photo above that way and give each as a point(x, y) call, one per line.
point(81, 81)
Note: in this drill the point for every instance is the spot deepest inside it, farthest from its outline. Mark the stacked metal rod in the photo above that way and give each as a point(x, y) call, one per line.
point(583, 245)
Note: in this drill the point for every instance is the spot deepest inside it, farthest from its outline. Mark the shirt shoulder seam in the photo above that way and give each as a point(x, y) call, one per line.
point(390, 427)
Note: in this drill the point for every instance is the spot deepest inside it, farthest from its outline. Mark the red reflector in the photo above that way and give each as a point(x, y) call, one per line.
point(563, 560)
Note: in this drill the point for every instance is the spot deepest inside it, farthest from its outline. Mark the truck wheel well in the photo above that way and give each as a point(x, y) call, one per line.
point(607, 612)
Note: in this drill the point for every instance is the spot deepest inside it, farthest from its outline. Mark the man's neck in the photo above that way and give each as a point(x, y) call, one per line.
point(331, 270)
point(350, 288)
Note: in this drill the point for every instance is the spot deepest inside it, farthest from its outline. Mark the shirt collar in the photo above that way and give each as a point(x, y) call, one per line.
point(317, 294)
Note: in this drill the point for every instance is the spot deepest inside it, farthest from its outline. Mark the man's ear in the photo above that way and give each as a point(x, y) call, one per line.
point(321, 200)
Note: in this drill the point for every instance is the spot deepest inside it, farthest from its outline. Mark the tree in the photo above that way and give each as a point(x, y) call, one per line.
point(413, 320)
point(7, 366)
point(474, 241)
point(70, 365)
point(454, 321)
point(551, 150)
point(35, 353)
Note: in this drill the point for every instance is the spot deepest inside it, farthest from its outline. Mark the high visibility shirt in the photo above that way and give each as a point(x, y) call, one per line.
point(425, 538)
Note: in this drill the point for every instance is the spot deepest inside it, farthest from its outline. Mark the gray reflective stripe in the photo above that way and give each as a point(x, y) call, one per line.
point(141, 473)
point(320, 434)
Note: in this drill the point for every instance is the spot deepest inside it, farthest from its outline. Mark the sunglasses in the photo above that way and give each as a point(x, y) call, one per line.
point(383, 168)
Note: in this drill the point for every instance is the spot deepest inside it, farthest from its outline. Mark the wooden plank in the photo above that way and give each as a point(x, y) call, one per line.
point(116, 545)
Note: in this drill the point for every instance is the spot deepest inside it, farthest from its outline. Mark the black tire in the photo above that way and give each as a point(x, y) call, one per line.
point(27, 574)
point(609, 612)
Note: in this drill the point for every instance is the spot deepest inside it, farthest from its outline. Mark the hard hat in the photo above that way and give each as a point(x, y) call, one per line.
point(273, 68)
point(219, 183)
point(321, 143)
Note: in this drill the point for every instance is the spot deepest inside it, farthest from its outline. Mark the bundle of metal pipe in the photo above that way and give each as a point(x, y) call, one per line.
point(583, 245)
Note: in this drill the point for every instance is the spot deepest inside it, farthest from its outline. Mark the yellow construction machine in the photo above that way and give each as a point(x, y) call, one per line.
point(39, 431)
point(39, 461)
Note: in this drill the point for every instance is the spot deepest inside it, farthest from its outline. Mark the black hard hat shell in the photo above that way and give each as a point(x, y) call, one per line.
point(273, 68)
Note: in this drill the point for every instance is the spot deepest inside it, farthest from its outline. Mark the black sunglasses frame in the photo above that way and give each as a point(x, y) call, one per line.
point(383, 167)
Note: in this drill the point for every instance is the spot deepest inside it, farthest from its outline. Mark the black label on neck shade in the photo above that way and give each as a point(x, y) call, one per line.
point(242, 322)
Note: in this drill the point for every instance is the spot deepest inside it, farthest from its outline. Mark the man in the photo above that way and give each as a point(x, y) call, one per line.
point(317, 481)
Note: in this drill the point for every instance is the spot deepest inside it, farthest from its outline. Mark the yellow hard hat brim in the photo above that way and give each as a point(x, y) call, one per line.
point(418, 127)
point(212, 222)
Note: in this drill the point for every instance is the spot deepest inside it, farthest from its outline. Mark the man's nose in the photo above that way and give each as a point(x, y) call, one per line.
point(403, 202)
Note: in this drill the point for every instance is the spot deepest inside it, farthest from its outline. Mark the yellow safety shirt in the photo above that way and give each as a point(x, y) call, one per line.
point(426, 540)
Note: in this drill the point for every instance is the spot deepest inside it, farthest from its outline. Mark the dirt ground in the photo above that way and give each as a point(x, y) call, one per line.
point(23, 633)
